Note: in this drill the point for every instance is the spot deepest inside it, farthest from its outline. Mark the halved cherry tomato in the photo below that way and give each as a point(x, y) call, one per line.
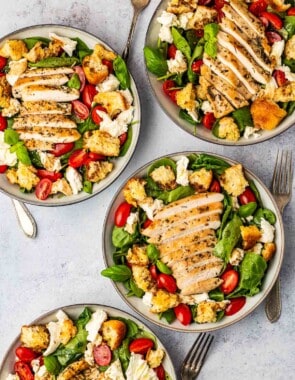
point(264, 21)
point(167, 282)
point(154, 271)
point(208, 120)
point(280, 77)
point(274, 19)
point(109, 65)
point(88, 94)
point(53, 176)
point(62, 148)
point(147, 223)
point(3, 62)
point(3, 123)
point(141, 345)
point(235, 305)
point(80, 109)
point(95, 116)
point(168, 89)
point(102, 354)
point(160, 372)
point(291, 11)
point(215, 186)
point(172, 51)
point(80, 72)
point(122, 213)
point(3, 168)
point(230, 281)
point(257, 7)
point(183, 313)
point(23, 370)
point(78, 158)
point(273, 37)
point(43, 189)
point(123, 138)
point(247, 196)
point(96, 157)
point(25, 354)
point(196, 66)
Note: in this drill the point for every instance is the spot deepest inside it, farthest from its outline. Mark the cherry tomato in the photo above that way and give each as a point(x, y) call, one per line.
point(215, 186)
point(43, 189)
point(102, 354)
point(168, 86)
point(204, 2)
point(123, 138)
point(62, 148)
point(291, 11)
point(172, 51)
point(25, 354)
point(264, 21)
point(257, 7)
point(280, 77)
point(80, 72)
point(235, 305)
point(109, 65)
point(23, 370)
point(80, 109)
point(3, 123)
point(247, 196)
point(141, 345)
point(274, 19)
point(78, 158)
point(273, 37)
point(95, 116)
point(230, 281)
point(154, 271)
point(183, 313)
point(208, 120)
point(3, 62)
point(3, 168)
point(53, 176)
point(196, 66)
point(219, 4)
point(122, 213)
point(147, 223)
point(160, 372)
point(96, 157)
point(88, 94)
point(167, 282)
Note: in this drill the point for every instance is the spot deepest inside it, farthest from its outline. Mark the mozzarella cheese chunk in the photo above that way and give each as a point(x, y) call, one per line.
point(178, 64)
point(139, 369)
point(206, 106)
point(267, 231)
point(68, 45)
point(128, 96)
point(277, 50)
point(12, 377)
point(168, 19)
point(55, 329)
point(75, 179)
point(237, 256)
point(131, 222)
point(6, 157)
point(251, 132)
point(165, 34)
point(182, 173)
point(94, 325)
point(194, 299)
point(147, 299)
point(114, 371)
point(117, 126)
point(184, 18)
point(151, 208)
point(111, 83)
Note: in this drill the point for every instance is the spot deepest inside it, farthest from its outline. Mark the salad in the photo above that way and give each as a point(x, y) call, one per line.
point(95, 346)
point(228, 65)
point(66, 114)
point(192, 239)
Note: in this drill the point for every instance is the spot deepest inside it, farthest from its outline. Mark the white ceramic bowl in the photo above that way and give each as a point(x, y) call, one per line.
point(252, 302)
point(119, 163)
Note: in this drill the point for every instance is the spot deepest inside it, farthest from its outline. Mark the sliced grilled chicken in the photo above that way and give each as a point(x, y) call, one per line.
point(203, 286)
point(53, 135)
point(45, 107)
point(57, 94)
point(241, 54)
point(220, 105)
point(38, 145)
point(231, 94)
point(47, 71)
point(48, 121)
point(190, 263)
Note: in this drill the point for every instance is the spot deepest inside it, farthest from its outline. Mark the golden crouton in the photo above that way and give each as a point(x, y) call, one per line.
point(24, 176)
point(61, 186)
point(266, 114)
point(5, 92)
point(202, 16)
point(278, 5)
point(250, 236)
point(37, 53)
point(228, 129)
point(162, 301)
point(186, 98)
point(101, 142)
point(68, 331)
point(155, 357)
point(202, 88)
point(103, 53)
point(12, 109)
point(207, 311)
point(143, 278)
point(14, 49)
point(35, 337)
point(201, 179)
point(233, 180)
point(113, 101)
point(16, 68)
point(268, 251)
point(113, 332)
point(182, 6)
point(137, 255)
point(98, 170)
point(134, 191)
point(290, 48)
point(72, 370)
point(164, 177)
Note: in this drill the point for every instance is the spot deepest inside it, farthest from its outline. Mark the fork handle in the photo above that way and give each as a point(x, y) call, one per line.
point(273, 306)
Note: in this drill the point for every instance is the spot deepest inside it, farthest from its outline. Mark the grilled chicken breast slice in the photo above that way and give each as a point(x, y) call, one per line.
point(203, 286)
point(47, 121)
point(220, 105)
point(201, 273)
point(53, 135)
point(47, 71)
point(45, 107)
point(190, 263)
point(38, 145)
point(48, 93)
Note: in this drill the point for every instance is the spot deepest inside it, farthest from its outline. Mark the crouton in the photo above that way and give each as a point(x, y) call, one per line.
point(228, 129)
point(164, 177)
point(61, 186)
point(162, 301)
point(134, 191)
point(250, 236)
point(268, 251)
point(182, 6)
point(266, 114)
point(16, 68)
point(202, 88)
point(137, 255)
point(290, 48)
point(68, 331)
point(278, 5)
point(186, 98)
point(155, 357)
point(113, 101)
point(12, 109)
point(35, 337)
point(101, 142)
point(14, 49)
point(201, 180)
point(113, 332)
point(36, 53)
point(24, 176)
point(143, 278)
point(98, 170)
point(202, 16)
point(233, 180)
point(5, 92)
point(207, 311)
point(73, 369)
point(237, 256)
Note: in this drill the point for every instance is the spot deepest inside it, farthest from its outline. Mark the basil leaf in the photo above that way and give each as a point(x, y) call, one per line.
point(247, 209)
point(168, 315)
point(163, 267)
point(11, 137)
point(52, 364)
point(289, 25)
point(87, 187)
point(210, 37)
point(134, 290)
point(155, 61)
point(185, 116)
point(127, 143)
point(243, 118)
point(118, 273)
point(74, 82)
point(152, 253)
point(55, 62)
point(181, 43)
point(22, 154)
point(121, 238)
point(31, 42)
point(122, 72)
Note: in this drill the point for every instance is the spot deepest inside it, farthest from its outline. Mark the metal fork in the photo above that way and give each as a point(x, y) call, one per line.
point(281, 189)
point(194, 360)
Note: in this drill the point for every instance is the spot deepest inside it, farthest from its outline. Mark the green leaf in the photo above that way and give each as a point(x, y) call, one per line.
point(243, 118)
point(253, 187)
point(134, 290)
point(218, 165)
point(81, 46)
point(55, 62)
point(168, 315)
point(123, 353)
point(162, 162)
point(121, 238)
point(266, 214)
point(185, 116)
point(35, 159)
point(224, 219)
point(31, 42)
point(197, 54)
point(23, 154)
point(87, 187)
point(74, 82)
point(289, 25)
point(11, 137)
point(132, 327)
point(118, 273)
point(155, 61)
point(181, 43)
point(247, 209)
point(216, 295)
point(84, 318)
point(121, 72)
point(152, 253)
point(210, 37)
point(290, 63)
point(125, 147)
point(87, 125)
point(52, 364)
point(163, 267)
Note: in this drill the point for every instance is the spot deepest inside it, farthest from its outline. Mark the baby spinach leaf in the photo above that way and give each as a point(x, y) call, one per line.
point(31, 42)
point(162, 162)
point(87, 125)
point(168, 315)
point(52, 364)
point(216, 295)
point(253, 187)
point(290, 63)
point(175, 194)
point(11, 137)
point(123, 353)
point(87, 187)
point(155, 61)
point(84, 318)
point(243, 118)
point(289, 25)
point(266, 214)
point(247, 209)
point(35, 159)
point(210, 37)
point(218, 165)
point(122, 72)
point(118, 273)
point(127, 143)
point(134, 290)
point(181, 43)
point(81, 46)
point(74, 82)
point(121, 238)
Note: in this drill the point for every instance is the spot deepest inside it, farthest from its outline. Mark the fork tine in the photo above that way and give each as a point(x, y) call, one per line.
point(275, 174)
point(202, 352)
point(199, 349)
